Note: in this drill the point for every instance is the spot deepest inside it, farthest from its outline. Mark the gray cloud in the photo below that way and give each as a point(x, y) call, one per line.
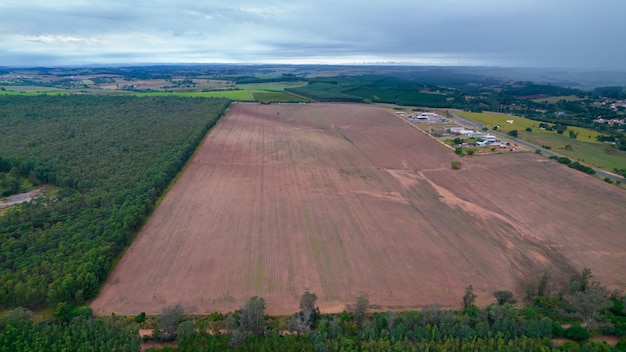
point(556, 33)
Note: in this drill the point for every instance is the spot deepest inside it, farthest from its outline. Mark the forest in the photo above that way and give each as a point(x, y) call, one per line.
point(107, 159)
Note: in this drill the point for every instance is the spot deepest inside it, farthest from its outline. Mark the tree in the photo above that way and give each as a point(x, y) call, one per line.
point(16, 317)
point(537, 287)
point(360, 308)
point(185, 329)
point(169, 320)
point(251, 317)
point(303, 320)
point(513, 133)
point(503, 297)
point(589, 303)
point(308, 301)
point(610, 149)
point(469, 297)
point(543, 284)
point(572, 134)
point(581, 281)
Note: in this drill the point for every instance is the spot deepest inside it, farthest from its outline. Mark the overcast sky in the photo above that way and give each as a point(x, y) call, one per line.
point(524, 33)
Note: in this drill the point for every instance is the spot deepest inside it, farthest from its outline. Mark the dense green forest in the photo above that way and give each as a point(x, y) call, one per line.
point(110, 158)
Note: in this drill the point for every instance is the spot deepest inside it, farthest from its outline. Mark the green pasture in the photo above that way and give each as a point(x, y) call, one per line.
point(31, 90)
point(273, 86)
point(239, 95)
point(589, 153)
point(277, 97)
point(585, 148)
point(520, 124)
point(34, 92)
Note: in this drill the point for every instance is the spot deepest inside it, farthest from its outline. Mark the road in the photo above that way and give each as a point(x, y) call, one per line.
point(474, 125)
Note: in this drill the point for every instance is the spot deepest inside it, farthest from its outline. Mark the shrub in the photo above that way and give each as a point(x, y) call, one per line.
point(141, 317)
point(528, 129)
point(557, 329)
point(455, 165)
point(458, 150)
point(576, 333)
point(470, 152)
point(564, 160)
point(503, 297)
point(621, 345)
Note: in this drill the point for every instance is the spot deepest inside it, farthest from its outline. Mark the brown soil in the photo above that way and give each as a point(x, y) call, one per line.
point(343, 200)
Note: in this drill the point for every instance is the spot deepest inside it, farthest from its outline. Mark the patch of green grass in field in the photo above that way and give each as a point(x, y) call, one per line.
point(32, 93)
point(554, 100)
point(588, 153)
point(239, 95)
point(31, 90)
point(276, 86)
point(520, 124)
point(584, 148)
point(277, 97)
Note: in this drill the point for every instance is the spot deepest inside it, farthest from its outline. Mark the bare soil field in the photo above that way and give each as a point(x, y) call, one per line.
point(342, 200)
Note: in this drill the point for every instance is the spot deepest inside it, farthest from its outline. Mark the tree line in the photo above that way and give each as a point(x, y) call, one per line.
point(574, 311)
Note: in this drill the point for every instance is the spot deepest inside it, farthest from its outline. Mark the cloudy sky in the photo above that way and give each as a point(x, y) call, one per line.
point(524, 33)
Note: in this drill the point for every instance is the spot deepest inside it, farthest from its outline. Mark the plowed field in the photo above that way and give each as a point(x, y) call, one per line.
point(343, 199)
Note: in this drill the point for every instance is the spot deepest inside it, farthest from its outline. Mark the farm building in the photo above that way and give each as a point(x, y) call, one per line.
point(460, 130)
point(473, 134)
point(418, 118)
point(425, 117)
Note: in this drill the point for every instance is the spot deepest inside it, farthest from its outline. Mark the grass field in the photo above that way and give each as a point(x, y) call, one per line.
point(274, 86)
point(263, 93)
point(239, 95)
point(279, 97)
point(585, 148)
point(31, 90)
point(520, 123)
